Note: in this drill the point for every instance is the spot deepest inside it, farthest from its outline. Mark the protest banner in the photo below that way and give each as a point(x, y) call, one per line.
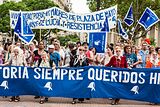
point(57, 18)
point(140, 84)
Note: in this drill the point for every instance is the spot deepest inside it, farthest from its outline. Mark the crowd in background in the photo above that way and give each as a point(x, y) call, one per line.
point(78, 54)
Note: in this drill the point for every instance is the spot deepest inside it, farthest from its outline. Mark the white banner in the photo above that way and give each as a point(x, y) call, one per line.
point(57, 18)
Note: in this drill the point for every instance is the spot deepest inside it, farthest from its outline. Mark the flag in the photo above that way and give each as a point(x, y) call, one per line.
point(121, 30)
point(23, 30)
point(148, 18)
point(98, 40)
point(106, 26)
point(128, 19)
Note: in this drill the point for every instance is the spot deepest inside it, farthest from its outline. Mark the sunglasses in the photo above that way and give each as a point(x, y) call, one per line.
point(118, 51)
point(81, 50)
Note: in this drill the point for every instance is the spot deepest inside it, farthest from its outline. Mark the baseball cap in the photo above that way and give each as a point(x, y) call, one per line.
point(51, 46)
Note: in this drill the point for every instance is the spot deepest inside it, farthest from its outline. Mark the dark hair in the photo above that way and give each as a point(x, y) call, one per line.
point(95, 51)
point(111, 45)
point(111, 48)
point(126, 48)
point(71, 46)
point(78, 42)
point(157, 48)
point(90, 48)
point(85, 43)
point(5, 45)
point(40, 42)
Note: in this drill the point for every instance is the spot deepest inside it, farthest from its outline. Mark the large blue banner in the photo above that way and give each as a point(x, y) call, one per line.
point(84, 82)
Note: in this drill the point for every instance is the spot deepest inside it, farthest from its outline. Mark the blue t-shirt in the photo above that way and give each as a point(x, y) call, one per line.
point(55, 57)
point(143, 55)
point(131, 58)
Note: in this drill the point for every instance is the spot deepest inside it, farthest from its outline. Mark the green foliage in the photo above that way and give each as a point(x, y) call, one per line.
point(38, 4)
point(123, 5)
point(66, 39)
point(152, 40)
point(24, 5)
point(4, 14)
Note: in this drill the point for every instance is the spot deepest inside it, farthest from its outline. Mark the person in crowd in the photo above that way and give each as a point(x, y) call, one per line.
point(78, 44)
point(151, 49)
point(90, 56)
point(6, 46)
point(153, 61)
point(79, 60)
point(85, 45)
point(36, 56)
point(69, 55)
point(133, 49)
point(8, 53)
point(35, 44)
point(143, 53)
point(44, 62)
point(131, 58)
point(117, 60)
point(54, 56)
point(158, 52)
point(16, 59)
point(108, 55)
point(37, 53)
point(25, 52)
point(31, 50)
point(1, 55)
point(59, 50)
point(96, 58)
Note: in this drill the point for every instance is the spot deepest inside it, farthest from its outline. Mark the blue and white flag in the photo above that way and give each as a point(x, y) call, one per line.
point(23, 30)
point(128, 19)
point(98, 40)
point(106, 26)
point(148, 18)
point(121, 30)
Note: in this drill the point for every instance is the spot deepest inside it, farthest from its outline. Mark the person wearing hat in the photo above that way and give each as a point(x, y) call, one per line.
point(54, 56)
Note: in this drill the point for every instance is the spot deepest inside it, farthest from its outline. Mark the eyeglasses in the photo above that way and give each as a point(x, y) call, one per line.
point(118, 51)
point(81, 50)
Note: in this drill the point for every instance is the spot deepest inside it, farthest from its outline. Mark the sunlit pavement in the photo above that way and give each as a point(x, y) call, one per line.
point(29, 101)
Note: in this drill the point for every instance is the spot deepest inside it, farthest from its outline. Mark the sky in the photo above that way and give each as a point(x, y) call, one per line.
point(80, 6)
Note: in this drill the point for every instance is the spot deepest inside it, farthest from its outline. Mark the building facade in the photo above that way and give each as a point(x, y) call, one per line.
point(64, 4)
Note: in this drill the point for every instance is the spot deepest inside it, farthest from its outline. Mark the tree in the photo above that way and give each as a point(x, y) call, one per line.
point(39, 4)
point(4, 14)
point(123, 5)
point(69, 38)
point(24, 5)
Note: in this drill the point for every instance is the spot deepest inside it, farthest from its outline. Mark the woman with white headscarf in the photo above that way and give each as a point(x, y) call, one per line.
point(16, 59)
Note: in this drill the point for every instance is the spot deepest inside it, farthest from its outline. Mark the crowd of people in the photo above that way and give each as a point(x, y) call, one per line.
point(76, 55)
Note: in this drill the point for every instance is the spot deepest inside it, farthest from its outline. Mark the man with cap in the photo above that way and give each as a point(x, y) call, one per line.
point(54, 56)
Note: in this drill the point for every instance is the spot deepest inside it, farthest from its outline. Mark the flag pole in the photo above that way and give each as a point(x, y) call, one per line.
point(13, 36)
point(40, 35)
point(134, 30)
